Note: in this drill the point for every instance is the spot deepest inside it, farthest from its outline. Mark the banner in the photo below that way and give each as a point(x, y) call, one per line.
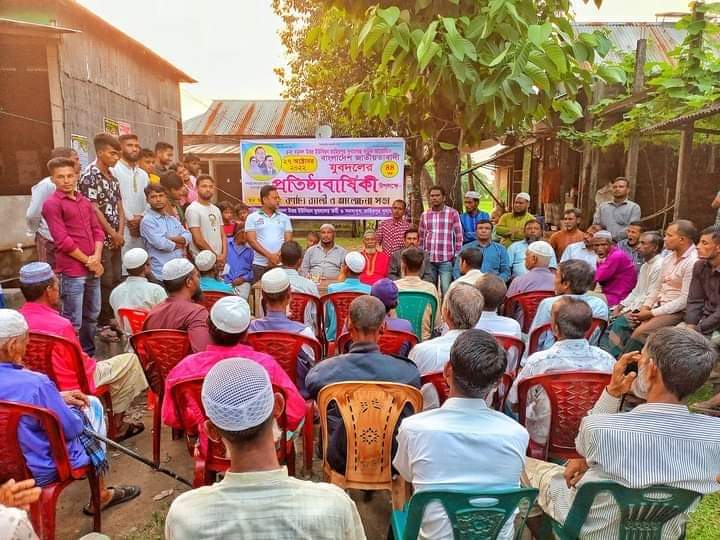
point(325, 178)
point(80, 144)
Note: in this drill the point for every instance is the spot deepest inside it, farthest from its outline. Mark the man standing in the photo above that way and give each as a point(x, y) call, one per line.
point(101, 188)
point(192, 164)
point(617, 214)
point(569, 234)
point(516, 252)
point(164, 153)
point(511, 226)
point(538, 277)
point(266, 230)
point(390, 233)
point(615, 271)
point(205, 222)
point(584, 250)
point(441, 237)
point(472, 215)
point(164, 236)
point(132, 180)
point(412, 240)
point(324, 260)
point(146, 162)
point(495, 256)
point(36, 225)
point(630, 244)
point(78, 238)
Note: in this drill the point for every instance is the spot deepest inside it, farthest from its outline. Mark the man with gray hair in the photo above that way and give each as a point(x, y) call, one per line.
point(658, 442)
point(256, 498)
point(538, 277)
point(364, 362)
point(323, 260)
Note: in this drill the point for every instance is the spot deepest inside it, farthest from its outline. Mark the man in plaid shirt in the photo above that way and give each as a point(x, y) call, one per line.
point(391, 232)
point(441, 237)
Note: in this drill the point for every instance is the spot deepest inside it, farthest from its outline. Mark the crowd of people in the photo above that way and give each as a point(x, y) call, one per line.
point(135, 230)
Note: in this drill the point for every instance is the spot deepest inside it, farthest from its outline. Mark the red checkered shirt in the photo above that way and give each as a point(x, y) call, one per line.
point(441, 234)
point(391, 235)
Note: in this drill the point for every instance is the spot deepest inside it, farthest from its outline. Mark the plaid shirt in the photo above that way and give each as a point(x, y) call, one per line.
point(391, 235)
point(441, 234)
point(103, 191)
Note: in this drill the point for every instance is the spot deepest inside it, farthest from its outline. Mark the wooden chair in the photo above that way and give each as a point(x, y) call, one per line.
point(39, 357)
point(296, 311)
point(593, 334)
point(412, 306)
point(437, 379)
point(132, 319)
point(528, 303)
point(572, 394)
point(285, 347)
point(13, 464)
point(210, 297)
point(159, 351)
point(370, 412)
point(390, 342)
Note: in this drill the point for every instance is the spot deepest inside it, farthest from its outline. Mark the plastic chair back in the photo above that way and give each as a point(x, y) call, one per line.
point(528, 303)
point(597, 327)
point(514, 349)
point(475, 514)
point(132, 319)
point(643, 512)
point(437, 379)
point(284, 347)
point(210, 297)
point(39, 357)
point(370, 412)
point(501, 391)
point(412, 306)
point(159, 351)
point(341, 304)
point(390, 341)
point(572, 394)
point(299, 303)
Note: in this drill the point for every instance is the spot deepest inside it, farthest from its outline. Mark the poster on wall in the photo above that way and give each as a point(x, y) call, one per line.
point(111, 126)
point(79, 143)
point(123, 128)
point(326, 178)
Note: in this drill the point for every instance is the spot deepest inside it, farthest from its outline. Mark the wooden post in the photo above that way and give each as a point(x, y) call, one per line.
point(57, 105)
point(683, 171)
point(631, 166)
point(588, 182)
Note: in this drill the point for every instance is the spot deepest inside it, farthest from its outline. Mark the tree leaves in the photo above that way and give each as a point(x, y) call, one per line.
point(539, 33)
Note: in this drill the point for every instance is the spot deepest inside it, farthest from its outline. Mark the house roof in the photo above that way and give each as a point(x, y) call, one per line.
point(662, 37)
point(212, 148)
point(12, 26)
point(247, 118)
point(684, 119)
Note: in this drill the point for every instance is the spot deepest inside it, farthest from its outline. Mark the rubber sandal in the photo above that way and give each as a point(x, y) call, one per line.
point(120, 494)
point(132, 430)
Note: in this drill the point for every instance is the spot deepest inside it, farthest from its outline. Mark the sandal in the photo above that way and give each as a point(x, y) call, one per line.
point(120, 494)
point(131, 431)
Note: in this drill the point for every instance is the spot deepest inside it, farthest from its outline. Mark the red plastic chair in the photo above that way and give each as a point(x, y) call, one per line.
point(132, 319)
point(390, 342)
point(528, 303)
point(38, 357)
point(341, 304)
point(296, 311)
point(159, 351)
point(437, 379)
point(210, 456)
point(13, 465)
point(502, 390)
point(596, 330)
point(514, 348)
point(284, 347)
point(572, 394)
point(210, 297)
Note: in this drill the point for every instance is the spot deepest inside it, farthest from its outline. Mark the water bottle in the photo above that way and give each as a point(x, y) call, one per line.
point(2, 297)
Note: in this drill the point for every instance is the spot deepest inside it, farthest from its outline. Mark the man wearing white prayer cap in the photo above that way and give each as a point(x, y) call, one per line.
point(228, 326)
point(180, 310)
point(511, 225)
point(323, 260)
point(136, 292)
point(256, 498)
point(615, 271)
point(539, 277)
point(353, 265)
point(471, 216)
point(205, 262)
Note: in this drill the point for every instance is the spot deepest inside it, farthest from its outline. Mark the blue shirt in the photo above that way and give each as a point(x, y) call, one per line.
point(469, 222)
point(495, 260)
point(349, 285)
point(209, 283)
point(239, 261)
point(155, 229)
point(25, 386)
point(516, 254)
point(542, 316)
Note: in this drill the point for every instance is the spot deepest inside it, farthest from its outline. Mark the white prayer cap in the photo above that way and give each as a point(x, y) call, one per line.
point(472, 195)
point(176, 268)
point(355, 261)
point(368, 232)
point(231, 314)
point(237, 394)
point(274, 281)
point(523, 195)
point(327, 226)
point(12, 324)
point(134, 258)
point(541, 248)
point(603, 235)
point(205, 260)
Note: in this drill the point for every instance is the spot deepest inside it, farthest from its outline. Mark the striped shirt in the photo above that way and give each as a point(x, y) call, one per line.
point(655, 443)
point(441, 234)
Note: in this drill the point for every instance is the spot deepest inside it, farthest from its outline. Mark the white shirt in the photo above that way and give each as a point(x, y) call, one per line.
point(463, 444)
point(270, 232)
point(15, 524)
point(40, 193)
point(133, 181)
point(431, 356)
point(493, 323)
point(565, 355)
point(136, 292)
point(647, 278)
point(470, 278)
point(578, 251)
point(209, 219)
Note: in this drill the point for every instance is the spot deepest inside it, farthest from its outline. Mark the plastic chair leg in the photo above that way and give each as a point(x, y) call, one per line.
point(94, 482)
point(48, 500)
point(308, 437)
point(107, 405)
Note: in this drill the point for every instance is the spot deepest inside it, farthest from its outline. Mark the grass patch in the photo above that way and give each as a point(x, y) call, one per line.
point(154, 529)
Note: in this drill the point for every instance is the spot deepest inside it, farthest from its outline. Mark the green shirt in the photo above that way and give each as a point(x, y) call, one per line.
point(511, 228)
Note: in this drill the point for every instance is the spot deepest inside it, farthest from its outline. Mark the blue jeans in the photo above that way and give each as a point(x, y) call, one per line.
point(80, 297)
point(443, 270)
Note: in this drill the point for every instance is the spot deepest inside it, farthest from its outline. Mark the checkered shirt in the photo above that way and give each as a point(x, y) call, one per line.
point(391, 235)
point(441, 234)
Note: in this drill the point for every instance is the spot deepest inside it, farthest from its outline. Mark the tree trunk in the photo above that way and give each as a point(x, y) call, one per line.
point(419, 154)
point(447, 164)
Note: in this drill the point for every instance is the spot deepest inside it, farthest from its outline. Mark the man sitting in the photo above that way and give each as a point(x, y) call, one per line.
point(615, 270)
point(438, 449)
point(74, 411)
point(324, 260)
point(495, 257)
point(583, 250)
point(353, 265)
point(539, 277)
point(658, 442)
point(387, 292)
point(180, 312)
point(136, 291)
point(412, 240)
point(413, 260)
point(364, 362)
point(291, 259)
point(630, 244)
point(228, 324)
point(571, 319)
point(206, 262)
point(256, 498)
point(493, 290)
point(471, 260)
point(276, 296)
point(122, 372)
point(240, 261)
point(650, 245)
point(516, 251)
